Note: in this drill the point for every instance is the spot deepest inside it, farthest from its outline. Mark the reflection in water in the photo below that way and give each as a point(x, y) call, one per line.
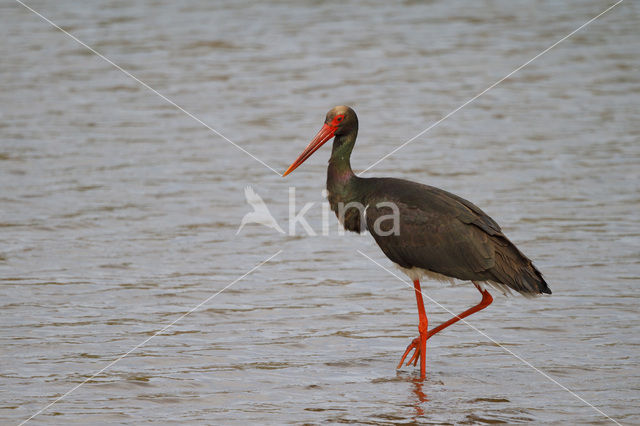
point(420, 396)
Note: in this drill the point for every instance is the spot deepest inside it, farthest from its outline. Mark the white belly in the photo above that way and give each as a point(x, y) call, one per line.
point(418, 273)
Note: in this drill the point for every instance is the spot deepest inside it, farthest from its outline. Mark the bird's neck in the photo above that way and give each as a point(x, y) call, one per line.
point(344, 187)
point(339, 171)
point(341, 181)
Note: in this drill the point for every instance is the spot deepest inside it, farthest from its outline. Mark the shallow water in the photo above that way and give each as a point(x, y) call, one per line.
point(118, 212)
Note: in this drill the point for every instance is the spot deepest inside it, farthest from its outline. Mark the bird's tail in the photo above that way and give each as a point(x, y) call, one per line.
point(516, 271)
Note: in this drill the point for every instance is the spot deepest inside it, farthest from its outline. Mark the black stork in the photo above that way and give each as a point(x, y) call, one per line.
point(428, 232)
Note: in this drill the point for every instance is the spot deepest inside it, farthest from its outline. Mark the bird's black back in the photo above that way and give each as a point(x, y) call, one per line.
point(443, 233)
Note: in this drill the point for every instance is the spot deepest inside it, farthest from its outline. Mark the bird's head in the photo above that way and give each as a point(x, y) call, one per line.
point(340, 120)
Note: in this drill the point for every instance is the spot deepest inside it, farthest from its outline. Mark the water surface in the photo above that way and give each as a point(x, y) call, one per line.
point(118, 212)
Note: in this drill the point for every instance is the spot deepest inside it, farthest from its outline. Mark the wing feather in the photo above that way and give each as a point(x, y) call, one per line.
point(446, 234)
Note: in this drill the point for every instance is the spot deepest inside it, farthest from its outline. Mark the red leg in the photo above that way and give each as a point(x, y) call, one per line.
point(486, 301)
point(419, 343)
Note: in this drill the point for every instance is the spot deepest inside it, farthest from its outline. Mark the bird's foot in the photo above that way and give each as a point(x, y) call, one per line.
point(414, 345)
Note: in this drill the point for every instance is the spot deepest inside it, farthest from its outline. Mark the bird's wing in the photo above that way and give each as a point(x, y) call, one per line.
point(444, 233)
point(431, 239)
point(464, 210)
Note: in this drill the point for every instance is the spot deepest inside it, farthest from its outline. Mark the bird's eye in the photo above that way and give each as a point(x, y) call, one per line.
point(337, 120)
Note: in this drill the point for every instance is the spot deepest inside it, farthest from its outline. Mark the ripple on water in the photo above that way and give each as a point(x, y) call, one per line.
point(119, 213)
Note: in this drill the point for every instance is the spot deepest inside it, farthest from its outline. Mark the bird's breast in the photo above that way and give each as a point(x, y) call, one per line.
point(349, 210)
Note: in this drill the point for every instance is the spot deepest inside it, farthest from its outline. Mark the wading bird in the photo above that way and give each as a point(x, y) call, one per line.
point(438, 234)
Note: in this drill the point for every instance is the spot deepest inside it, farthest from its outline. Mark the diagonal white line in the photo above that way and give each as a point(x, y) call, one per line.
point(128, 74)
point(151, 337)
point(494, 341)
point(492, 86)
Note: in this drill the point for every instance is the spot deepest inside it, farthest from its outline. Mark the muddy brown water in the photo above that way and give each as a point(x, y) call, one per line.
point(119, 213)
